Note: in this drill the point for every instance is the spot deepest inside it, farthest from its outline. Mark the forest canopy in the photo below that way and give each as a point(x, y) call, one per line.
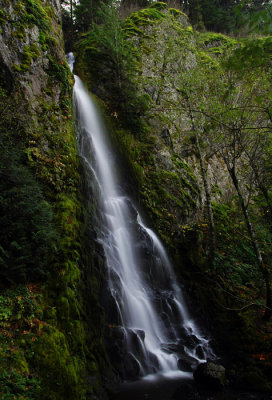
point(230, 16)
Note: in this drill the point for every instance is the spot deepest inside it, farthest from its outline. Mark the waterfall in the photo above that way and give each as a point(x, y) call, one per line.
point(150, 317)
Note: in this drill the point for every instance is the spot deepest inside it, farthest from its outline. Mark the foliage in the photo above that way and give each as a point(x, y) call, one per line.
point(29, 236)
point(19, 319)
point(256, 15)
point(114, 67)
point(252, 53)
point(15, 385)
point(235, 259)
point(225, 16)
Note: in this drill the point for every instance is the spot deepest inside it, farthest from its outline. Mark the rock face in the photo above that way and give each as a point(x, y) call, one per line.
point(31, 43)
point(38, 140)
point(210, 376)
point(167, 165)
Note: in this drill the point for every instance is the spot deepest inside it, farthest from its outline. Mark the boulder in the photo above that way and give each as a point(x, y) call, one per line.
point(184, 365)
point(131, 367)
point(210, 376)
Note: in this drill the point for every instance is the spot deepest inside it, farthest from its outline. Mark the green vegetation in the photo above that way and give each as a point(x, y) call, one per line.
point(47, 347)
point(106, 44)
point(190, 116)
point(200, 167)
point(30, 233)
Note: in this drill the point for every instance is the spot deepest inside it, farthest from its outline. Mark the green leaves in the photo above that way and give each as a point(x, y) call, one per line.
point(252, 53)
point(27, 239)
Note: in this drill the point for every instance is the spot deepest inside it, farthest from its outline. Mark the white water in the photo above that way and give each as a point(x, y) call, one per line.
point(157, 328)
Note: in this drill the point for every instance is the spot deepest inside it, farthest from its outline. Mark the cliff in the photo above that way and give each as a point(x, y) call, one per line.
point(51, 322)
point(171, 96)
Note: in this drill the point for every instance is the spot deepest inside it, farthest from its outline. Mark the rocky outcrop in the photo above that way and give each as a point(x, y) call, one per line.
point(32, 46)
point(210, 376)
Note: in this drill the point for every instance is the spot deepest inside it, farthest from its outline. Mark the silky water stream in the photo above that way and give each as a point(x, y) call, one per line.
point(152, 330)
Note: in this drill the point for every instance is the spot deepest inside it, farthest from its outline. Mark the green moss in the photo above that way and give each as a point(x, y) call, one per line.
point(158, 5)
point(61, 372)
point(142, 18)
point(50, 12)
point(19, 32)
point(176, 186)
point(32, 12)
point(207, 60)
point(215, 43)
point(176, 13)
point(3, 17)
point(30, 53)
point(60, 72)
point(211, 37)
point(17, 67)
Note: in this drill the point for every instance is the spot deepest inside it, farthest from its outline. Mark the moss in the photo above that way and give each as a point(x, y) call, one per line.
point(176, 184)
point(176, 13)
point(60, 72)
point(17, 67)
point(215, 43)
point(3, 17)
point(211, 38)
point(19, 32)
point(142, 18)
point(207, 60)
point(158, 5)
point(23, 385)
point(32, 12)
point(30, 53)
point(57, 367)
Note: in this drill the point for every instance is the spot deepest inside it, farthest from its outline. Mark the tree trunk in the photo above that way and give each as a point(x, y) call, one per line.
point(208, 201)
point(259, 258)
point(263, 190)
point(212, 242)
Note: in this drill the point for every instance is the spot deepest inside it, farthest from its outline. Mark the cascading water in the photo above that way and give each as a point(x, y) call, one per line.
point(153, 323)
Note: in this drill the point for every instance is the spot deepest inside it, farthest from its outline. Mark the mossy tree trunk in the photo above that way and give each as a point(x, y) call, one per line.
point(253, 240)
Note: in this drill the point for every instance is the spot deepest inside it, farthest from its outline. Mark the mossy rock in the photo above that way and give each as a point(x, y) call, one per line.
point(60, 372)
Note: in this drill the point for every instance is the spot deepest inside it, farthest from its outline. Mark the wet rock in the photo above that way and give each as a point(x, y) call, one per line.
point(199, 352)
point(210, 376)
point(189, 340)
point(115, 344)
point(184, 365)
point(171, 348)
point(131, 367)
point(153, 362)
point(135, 340)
